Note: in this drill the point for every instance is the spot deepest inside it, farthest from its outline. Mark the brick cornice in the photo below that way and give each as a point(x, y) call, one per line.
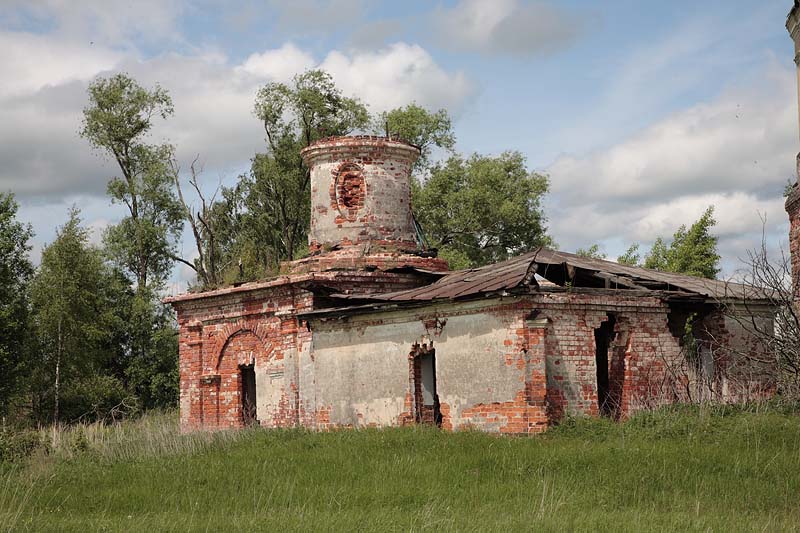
point(793, 201)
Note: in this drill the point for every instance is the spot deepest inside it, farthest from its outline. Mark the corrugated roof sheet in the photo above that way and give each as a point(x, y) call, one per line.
point(564, 268)
point(645, 277)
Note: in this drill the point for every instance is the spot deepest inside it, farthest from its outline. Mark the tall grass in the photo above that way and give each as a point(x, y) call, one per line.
point(153, 435)
point(706, 468)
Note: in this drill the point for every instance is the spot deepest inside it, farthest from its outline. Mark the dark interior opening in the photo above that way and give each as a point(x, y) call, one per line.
point(249, 415)
point(426, 399)
point(603, 336)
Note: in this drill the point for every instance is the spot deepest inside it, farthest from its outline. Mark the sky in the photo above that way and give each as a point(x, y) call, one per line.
point(641, 113)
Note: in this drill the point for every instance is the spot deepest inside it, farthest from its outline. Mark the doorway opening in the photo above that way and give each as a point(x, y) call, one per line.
point(426, 399)
point(248, 394)
point(603, 337)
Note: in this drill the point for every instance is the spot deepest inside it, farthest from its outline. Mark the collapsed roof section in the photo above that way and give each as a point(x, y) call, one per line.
point(565, 271)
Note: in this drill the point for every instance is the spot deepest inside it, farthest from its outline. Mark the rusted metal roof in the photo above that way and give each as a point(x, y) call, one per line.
point(491, 278)
point(557, 266)
point(564, 269)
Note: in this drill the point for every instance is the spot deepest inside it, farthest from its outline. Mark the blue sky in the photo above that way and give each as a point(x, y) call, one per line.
point(642, 113)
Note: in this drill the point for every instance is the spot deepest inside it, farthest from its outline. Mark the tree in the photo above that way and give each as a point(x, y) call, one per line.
point(208, 265)
point(593, 252)
point(71, 314)
point(482, 209)
point(692, 251)
point(269, 208)
point(15, 275)
point(117, 121)
point(770, 313)
point(657, 259)
point(151, 369)
point(420, 127)
point(631, 257)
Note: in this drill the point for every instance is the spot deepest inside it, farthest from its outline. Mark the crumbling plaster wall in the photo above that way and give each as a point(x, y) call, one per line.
point(793, 209)
point(363, 376)
point(500, 365)
point(220, 331)
point(509, 365)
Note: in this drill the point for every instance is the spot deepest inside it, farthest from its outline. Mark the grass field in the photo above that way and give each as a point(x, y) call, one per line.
point(711, 469)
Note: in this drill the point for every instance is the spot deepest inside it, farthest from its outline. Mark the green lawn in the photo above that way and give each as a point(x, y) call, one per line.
point(680, 469)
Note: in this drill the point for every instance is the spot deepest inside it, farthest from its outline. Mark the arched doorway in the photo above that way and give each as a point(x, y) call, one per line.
point(238, 368)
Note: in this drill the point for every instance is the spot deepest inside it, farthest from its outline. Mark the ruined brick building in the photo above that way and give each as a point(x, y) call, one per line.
point(373, 330)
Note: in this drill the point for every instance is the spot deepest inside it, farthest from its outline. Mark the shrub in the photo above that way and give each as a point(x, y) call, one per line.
point(16, 446)
point(96, 398)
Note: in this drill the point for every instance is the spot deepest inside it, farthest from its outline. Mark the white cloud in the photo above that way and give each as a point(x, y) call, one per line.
point(505, 27)
point(40, 115)
point(735, 153)
point(44, 156)
point(397, 75)
point(279, 64)
point(31, 62)
point(738, 142)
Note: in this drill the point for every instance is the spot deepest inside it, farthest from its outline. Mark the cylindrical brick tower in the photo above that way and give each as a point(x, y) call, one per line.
point(361, 206)
point(360, 192)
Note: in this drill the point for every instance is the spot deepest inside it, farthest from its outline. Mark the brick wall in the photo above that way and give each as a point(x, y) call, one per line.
point(223, 330)
point(220, 334)
point(638, 354)
point(793, 209)
point(507, 365)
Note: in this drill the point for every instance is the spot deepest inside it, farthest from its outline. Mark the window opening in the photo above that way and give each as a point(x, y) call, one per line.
point(603, 337)
point(426, 399)
point(249, 414)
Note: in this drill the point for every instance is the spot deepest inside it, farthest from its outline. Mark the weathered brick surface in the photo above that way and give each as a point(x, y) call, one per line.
point(223, 330)
point(793, 209)
point(511, 365)
point(361, 192)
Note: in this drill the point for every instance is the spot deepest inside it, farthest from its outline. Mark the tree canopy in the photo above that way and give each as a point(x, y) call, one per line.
point(16, 271)
point(482, 209)
point(692, 251)
point(267, 213)
point(74, 322)
point(631, 257)
point(420, 127)
point(592, 252)
point(117, 121)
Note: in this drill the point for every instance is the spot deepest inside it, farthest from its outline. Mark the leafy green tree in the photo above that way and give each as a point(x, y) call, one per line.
point(482, 209)
point(657, 257)
point(593, 252)
point(15, 275)
point(631, 257)
point(117, 121)
point(267, 213)
point(151, 369)
point(420, 127)
point(693, 251)
point(71, 315)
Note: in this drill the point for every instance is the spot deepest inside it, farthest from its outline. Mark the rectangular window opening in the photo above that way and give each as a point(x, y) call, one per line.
point(249, 414)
